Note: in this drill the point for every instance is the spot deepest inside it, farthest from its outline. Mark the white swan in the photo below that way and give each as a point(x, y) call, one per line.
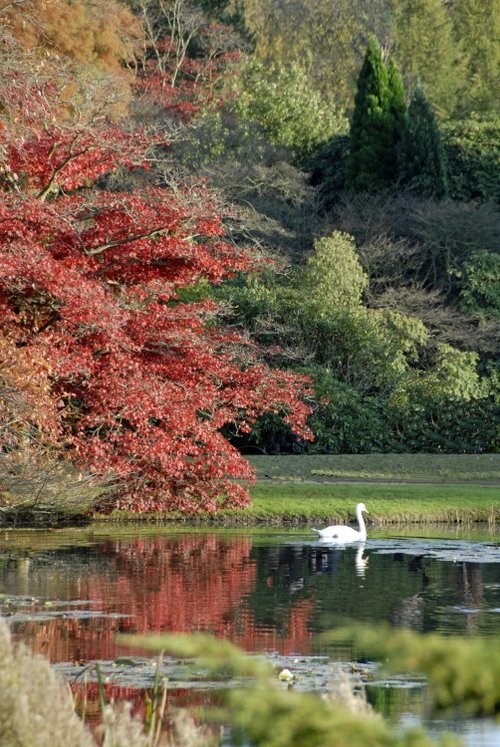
point(340, 533)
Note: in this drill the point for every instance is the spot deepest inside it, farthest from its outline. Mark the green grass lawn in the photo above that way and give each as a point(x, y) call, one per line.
point(432, 468)
point(396, 488)
point(310, 502)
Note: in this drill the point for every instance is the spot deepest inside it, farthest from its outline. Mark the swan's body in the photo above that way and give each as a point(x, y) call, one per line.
point(341, 533)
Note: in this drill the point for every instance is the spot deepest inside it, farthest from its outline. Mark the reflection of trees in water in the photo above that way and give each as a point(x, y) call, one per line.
point(323, 582)
point(187, 583)
point(325, 559)
point(343, 583)
point(455, 601)
point(261, 597)
point(409, 612)
point(468, 592)
point(278, 605)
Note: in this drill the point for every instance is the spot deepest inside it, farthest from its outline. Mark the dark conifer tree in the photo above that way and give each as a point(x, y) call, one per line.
point(377, 123)
point(421, 155)
point(397, 100)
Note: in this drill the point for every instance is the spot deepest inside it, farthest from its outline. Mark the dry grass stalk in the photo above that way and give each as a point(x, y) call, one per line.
point(35, 487)
point(36, 706)
point(343, 693)
point(37, 710)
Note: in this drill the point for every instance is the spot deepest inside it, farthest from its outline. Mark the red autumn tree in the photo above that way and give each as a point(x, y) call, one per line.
point(185, 59)
point(24, 397)
point(89, 281)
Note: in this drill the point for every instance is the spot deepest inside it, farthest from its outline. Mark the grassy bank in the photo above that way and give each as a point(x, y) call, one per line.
point(309, 503)
point(424, 468)
point(397, 489)
point(305, 490)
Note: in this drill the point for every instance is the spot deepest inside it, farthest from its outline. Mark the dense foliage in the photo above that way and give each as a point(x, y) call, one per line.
point(147, 146)
point(89, 282)
point(461, 674)
point(281, 101)
point(472, 148)
point(382, 382)
point(123, 375)
point(451, 48)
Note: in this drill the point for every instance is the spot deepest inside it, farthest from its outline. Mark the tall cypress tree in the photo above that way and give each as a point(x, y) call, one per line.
point(397, 106)
point(377, 123)
point(421, 153)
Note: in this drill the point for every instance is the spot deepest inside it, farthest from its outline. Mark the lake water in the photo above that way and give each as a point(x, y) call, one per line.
point(68, 593)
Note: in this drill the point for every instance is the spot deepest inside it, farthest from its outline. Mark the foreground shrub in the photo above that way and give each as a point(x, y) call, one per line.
point(36, 707)
point(462, 672)
point(266, 715)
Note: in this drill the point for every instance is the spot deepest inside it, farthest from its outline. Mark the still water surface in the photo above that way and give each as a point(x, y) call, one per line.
point(68, 593)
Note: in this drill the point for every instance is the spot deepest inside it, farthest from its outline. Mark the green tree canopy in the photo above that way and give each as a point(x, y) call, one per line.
point(480, 283)
point(427, 51)
point(281, 100)
point(333, 276)
point(472, 148)
point(327, 37)
point(477, 28)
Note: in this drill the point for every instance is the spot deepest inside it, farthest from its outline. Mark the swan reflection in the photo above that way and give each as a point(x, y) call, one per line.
point(360, 561)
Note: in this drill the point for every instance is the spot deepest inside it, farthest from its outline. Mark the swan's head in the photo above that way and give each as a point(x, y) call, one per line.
point(361, 507)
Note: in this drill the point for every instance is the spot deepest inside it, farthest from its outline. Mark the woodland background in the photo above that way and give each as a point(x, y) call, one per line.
point(231, 227)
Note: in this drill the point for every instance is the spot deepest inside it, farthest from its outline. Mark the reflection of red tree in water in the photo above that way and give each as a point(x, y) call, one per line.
point(195, 583)
point(179, 584)
point(296, 638)
point(86, 697)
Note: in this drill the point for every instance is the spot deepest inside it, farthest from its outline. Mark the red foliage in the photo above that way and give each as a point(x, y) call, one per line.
point(185, 86)
point(24, 397)
point(67, 159)
point(88, 281)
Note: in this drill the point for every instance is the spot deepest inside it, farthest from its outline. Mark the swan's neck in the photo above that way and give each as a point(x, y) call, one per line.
point(361, 522)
